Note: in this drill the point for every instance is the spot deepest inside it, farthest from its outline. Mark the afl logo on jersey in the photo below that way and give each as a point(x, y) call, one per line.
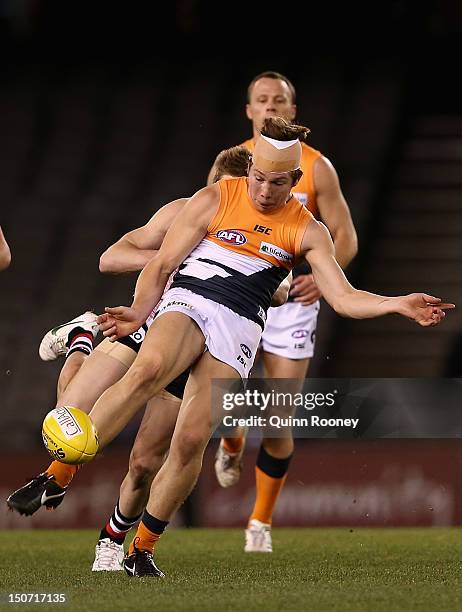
point(232, 236)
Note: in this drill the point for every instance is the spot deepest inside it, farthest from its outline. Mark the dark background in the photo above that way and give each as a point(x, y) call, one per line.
point(107, 113)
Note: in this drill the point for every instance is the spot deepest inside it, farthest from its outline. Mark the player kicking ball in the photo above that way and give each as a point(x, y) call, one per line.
point(86, 374)
point(218, 300)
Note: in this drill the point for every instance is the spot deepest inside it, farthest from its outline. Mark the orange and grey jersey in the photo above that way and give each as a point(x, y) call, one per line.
point(246, 253)
point(305, 190)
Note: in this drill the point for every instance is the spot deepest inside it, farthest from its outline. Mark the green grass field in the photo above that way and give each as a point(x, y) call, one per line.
point(311, 569)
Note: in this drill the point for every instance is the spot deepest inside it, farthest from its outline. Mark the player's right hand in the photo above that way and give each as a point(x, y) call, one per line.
point(424, 309)
point(119, 322)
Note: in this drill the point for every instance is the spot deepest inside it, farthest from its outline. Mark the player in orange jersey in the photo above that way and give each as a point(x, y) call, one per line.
point(213, 315)
point(86, 374)
point(289, 336)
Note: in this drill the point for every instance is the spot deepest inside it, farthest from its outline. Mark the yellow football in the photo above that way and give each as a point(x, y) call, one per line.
point(69, 435)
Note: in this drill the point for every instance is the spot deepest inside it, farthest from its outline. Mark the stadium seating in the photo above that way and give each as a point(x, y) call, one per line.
point(91, 153)
point(416, 245)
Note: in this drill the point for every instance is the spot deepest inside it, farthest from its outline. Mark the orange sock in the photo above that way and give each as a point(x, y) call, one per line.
point(233, 445)
point(268, 489)
point(144, 539)
point(62, 472)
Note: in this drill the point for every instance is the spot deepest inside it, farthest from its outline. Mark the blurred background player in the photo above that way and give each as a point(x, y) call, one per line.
point(289, 336)
point(5, 253)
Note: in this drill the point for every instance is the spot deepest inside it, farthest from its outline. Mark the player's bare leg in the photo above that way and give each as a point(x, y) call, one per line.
point(161, 351)
point(172, 344)
point(146, 458)
point(282, 367)
point(149, 451)
point(181, 469)
point(70, 369)
point(98, 372)
point(273, 459)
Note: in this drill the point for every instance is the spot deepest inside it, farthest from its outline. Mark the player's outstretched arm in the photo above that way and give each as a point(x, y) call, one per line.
point(350, 302)
point(187, 230)
point(136, 248)
point(5, 253)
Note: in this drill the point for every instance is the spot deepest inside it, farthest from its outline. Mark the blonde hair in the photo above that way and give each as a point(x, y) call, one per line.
point(233, 161)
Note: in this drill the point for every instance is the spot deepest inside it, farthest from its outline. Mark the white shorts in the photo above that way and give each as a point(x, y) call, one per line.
point(228, 336)
point(290, 330)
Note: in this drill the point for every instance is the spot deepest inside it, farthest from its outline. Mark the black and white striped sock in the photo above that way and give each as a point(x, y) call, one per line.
point(81, 340)
point(118, 526)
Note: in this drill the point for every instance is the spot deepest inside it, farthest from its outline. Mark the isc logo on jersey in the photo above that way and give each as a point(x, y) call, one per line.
point(232, 236)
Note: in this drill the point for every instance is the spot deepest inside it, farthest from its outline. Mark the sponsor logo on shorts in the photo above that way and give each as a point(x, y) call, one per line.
point(138, 336)
point(246, 351)
point(241, 360)
point(304, 333)
point(300, 333)
point(275, 251)
point(232, 236)
point(177, 303)
point(301, 197)
point(67, 422)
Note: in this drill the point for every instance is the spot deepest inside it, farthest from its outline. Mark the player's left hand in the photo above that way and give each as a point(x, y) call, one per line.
point(426, 310)
point(119, 322)
point(304, 290)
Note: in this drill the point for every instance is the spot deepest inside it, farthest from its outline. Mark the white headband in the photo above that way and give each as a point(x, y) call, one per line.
point(272, 155)
point(279, 144)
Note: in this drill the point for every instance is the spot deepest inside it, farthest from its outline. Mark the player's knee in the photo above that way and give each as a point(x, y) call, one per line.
point(141, 473)
point(189, 447)
point(279, 447)
point(142, 376)
point(143, 469)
